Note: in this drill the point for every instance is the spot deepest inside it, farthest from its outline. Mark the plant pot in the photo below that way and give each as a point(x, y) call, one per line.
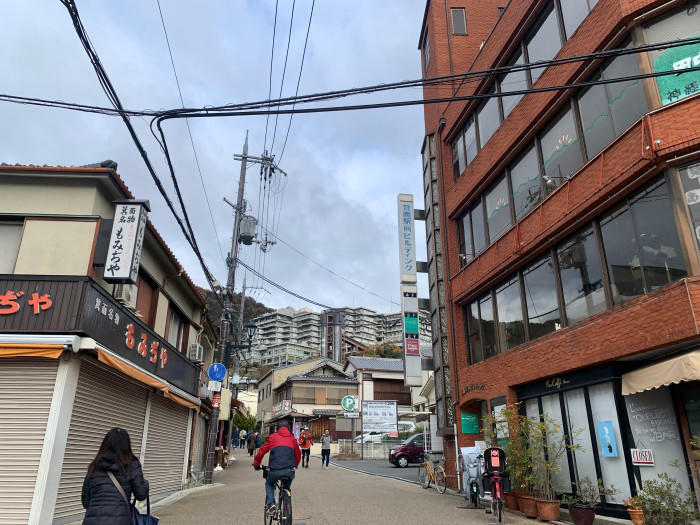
point(636, 515)
point(582, 515)
point(512, 500)
point(548, 510)
point(528, 506)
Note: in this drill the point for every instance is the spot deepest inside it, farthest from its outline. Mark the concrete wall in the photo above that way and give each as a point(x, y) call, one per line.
point(32, 196)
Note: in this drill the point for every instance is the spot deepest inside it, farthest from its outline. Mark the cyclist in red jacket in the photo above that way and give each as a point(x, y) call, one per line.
point(284, 458)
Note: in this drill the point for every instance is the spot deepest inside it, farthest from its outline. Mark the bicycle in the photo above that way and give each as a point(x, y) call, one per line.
point(495, 461)
point(282, 512)
point(436, 474)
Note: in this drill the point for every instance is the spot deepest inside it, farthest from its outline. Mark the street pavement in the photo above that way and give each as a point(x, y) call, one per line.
point(333, 496)
point(381, 467)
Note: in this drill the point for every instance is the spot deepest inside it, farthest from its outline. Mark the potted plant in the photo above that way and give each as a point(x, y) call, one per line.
point(634, 509)
point(663, 502)
point(582, 504)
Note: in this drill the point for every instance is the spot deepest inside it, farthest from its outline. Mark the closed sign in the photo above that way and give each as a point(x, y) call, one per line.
point(643, 457)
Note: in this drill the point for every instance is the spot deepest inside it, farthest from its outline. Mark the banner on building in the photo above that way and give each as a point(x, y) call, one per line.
point(126, 241)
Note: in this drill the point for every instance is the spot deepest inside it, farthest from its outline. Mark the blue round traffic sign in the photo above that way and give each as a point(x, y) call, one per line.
point(216, 372)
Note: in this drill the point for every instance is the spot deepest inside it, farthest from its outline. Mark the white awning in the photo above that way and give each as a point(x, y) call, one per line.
point(682, 368)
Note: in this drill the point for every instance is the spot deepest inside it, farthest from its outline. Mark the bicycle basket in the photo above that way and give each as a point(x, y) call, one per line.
point(486, 482)
point(495, 460)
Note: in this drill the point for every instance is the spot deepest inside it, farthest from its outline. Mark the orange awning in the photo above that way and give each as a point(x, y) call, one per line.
point(31, 350)
point(676, 370)
point(147, 379)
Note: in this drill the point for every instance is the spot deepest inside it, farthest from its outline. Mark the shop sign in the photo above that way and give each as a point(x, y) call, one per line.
point(115, 327)
point(282, 408)
point(11, 302)
point(411, 342)
point(473, 387)
point(470, 423)
point(216, 401)
point(608, 443)
point(643, 457)
point(680, 85)
point(126, 241)
point(556, 382)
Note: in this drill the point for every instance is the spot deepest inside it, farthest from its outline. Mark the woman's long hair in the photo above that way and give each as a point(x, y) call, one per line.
point(118, 443)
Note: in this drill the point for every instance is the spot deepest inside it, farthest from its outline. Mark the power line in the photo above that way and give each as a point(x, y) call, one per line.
point(189, 132)
point(284, 71)
point(301, 68)
point(272, 56)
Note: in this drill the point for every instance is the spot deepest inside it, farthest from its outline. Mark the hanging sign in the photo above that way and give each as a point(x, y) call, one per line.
point(126, 241)
point(216, 401)
point(642, 457)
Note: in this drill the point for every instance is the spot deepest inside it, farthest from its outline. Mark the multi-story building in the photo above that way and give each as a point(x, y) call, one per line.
point(285, 336)
point(79, 354)
point(568, 226)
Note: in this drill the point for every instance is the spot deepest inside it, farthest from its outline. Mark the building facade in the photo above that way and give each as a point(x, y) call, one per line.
point(76, 350)
point(568, 225)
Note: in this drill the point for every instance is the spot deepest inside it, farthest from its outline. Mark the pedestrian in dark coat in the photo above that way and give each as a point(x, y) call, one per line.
point(258, 440)
point(103, 503)
point(251, 443)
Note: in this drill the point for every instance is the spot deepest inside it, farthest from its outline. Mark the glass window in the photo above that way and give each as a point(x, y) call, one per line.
point(175, 329)
point(462, 161)
point(478, 231)
point(488, 119)
point(561, 477)
point(541, 298)
point(474, 332)
point(459, 21)
point(498, 209)
point(513, 81)
point(680, 24)
point(598, 129)
point(426, 52)
point(470, 140)
point(577, 418)
point(525, 180)
point(574, 12)
point(10, 237)
point(544, 44)
point(511, 330)
point(659, 245)
point(490, 345)
point(581, 276)
point(467, 241)
point(690, 179)
point(561, 154)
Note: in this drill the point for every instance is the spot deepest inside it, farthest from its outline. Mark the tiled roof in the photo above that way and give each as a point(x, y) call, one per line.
point(376, 363)
point(323, 379)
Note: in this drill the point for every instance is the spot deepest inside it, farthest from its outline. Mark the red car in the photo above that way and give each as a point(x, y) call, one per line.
point(410, 451)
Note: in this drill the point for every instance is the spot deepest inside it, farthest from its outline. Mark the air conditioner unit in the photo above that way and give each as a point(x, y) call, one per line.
point(195, 352)
point(126, 294)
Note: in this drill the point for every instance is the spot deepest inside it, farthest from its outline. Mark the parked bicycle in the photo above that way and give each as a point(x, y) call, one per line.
point(432, 472)
point(495, 478)
point(281, 512)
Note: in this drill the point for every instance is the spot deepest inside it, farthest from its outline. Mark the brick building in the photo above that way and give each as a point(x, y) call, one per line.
point(563, 228)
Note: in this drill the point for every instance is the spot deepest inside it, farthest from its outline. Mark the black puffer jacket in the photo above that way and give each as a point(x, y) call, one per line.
point(104, 504)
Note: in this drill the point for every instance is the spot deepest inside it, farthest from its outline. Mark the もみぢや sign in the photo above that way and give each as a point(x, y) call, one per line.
point(126, 241)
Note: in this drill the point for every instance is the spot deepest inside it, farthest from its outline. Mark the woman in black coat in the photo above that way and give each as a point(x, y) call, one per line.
point(103, 503)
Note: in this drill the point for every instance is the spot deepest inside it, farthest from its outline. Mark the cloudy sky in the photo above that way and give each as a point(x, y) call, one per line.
point(338, 203)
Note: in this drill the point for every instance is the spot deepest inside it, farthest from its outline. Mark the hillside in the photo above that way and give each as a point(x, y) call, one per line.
point(251, 310)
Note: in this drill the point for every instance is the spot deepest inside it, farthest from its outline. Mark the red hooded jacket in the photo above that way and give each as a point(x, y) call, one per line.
point(283, 448)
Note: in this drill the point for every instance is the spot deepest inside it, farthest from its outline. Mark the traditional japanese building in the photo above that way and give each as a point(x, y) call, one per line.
point(564, 227)
point(79, 353)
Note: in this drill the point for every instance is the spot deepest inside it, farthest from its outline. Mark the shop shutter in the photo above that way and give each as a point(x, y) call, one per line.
point(165, 445)
point(198, 458)
point(104, 399)
point(26, 389)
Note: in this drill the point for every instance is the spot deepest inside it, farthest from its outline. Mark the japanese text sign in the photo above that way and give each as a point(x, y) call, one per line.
point(681, 85)
point(407, 239)
point(379, 416)
point(11, 301)
point(126, 241)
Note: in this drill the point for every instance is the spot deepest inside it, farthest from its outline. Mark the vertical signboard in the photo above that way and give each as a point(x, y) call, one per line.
point(409, 292)
point(126, 241)
point(380, 416)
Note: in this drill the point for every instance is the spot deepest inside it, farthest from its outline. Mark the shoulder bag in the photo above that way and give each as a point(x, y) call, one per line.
point(136, 517)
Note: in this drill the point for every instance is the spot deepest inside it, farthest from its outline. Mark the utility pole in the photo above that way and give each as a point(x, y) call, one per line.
point(228, 306)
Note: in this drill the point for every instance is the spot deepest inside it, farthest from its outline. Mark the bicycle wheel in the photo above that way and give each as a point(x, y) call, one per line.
point(423, 477)
point(499, 508)
point(285, 510)
point(475, 499)
point(440, 480)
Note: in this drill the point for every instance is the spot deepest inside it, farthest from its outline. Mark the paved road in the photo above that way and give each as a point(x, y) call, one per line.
point(336, 496)
point(381, 467)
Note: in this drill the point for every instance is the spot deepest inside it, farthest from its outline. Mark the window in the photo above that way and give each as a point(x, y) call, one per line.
point(459, 21)
point(690, 179)
point(426, 52)
point(541, 298)
point(304, 394)
point(561, 154)
point(488, 119)
point(10, 237)
point(513, 81)
point(642, 249)
point(470, 140)
point(176, 328)
point(146, 298)
point(490, 343)
point(261, 394)
point(581, 275)
point(467, 251)
point(574, 12)
point(498, 216)
point(474, 332)
point(511, 329)
point(544, 44)
point(478, 231)
point(608, 110)
point(526, 183)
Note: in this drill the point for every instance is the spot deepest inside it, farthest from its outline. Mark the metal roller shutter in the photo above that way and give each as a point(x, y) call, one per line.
point(198, 457)
point(26, 390)
point(165, 445)
point(104, 399)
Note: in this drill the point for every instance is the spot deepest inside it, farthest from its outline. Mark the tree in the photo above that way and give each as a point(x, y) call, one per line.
point(385, 350)
point(246, 421)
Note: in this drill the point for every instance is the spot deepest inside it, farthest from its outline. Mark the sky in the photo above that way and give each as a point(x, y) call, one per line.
point(337, 204)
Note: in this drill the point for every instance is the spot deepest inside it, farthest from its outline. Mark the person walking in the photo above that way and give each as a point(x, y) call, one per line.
point(305, 442)
point(258, 440)
point(250, 440)
point(114, 464)
point(235, 436)
point(325, 448)
point(242, 437)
